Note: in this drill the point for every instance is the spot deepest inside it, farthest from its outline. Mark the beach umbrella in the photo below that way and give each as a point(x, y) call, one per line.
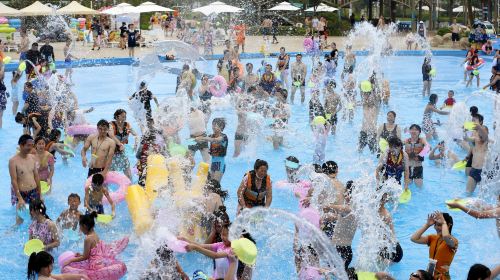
point(121, 9)
point(322, 8)
point(37, 9)
point(426, 8)
point(217, 8)
point(284, 6)
point(147, 7)
point(75, 8)
point(460, 9)
point(8, 11)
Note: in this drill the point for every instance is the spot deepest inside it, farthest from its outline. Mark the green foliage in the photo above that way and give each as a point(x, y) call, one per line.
point(442, 31)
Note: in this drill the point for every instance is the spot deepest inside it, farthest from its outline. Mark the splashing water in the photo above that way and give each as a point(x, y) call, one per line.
point(269, 226)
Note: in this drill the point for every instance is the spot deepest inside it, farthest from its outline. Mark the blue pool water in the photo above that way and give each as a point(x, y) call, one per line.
point(107, 88)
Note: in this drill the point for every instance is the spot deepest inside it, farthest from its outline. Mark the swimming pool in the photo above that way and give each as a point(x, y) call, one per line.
point(107, 88)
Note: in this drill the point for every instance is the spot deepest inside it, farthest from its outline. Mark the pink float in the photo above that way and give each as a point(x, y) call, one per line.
point(117, 178)
point(218, 86)
point(177, 245)
point(84, 129)
point(311, 215)
point(308, 44)
point(64, 257)
point(425, 151)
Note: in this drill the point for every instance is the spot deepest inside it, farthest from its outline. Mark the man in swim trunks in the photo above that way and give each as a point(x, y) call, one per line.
point(103, 149)
point(250, 79)
point(197, 127)
point(332, 104)
point(299, 71)
point(24, 175)
point(368, 133)
point(240, 135)
point(479, 149)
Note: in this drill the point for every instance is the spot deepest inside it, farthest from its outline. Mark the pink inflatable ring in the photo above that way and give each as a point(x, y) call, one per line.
point(84, 129)
point(117, 178)
point(219, 86)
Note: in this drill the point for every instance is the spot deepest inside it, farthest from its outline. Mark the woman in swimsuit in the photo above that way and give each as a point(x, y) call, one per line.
point(42, 227)
point(427, 123)
point(45, 161)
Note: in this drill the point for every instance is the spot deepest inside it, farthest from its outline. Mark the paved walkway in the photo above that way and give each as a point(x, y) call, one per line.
point(253, 45)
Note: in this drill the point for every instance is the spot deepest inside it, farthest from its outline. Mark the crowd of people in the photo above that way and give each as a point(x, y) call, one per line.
point(257, 92)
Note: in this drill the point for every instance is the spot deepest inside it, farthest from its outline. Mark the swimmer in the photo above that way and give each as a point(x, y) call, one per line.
point(25, 183)
point(315, 107)
point(349, 62)
point(250, 79)
point(241, 135)
point(198, 127)
point(40, 266)
point(427, 122)
point(393, 163)
point(69, 218)
point(486, 211)
point(120, 132)
point(218, 148)
point(413, 146)
point(320, 132)
point(333, 104)
point(102, 150)
point(442, 245)
point(473, 61)
point(256, 188)
point(450, 101)
point(444, 157)
point(42, 227)
point(327, 198)
point(94, 195)
point(349, 87)
point(30, 123)
point(282, 65)
point(478, 152)
point(368, 133)
point(298, 73)
point(389, 129)
point(281, 113)
point(389, 255)
point(426, 76)
point(386, 91)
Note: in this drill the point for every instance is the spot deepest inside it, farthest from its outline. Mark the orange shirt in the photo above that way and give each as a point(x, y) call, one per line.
point(440, 251)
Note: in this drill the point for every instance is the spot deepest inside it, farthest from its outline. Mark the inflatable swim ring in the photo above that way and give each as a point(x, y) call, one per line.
point(219, 86)
point(83, 129)
point(476, 66)
point(117, 178)
point(483, 48)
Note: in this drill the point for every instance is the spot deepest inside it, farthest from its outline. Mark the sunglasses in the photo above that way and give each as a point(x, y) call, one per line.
point(416, 275)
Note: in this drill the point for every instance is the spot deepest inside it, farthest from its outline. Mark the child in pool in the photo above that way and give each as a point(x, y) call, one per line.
point(94, 195)
point(450, 101)
point(218, 148)
point(218, 251)
point(98, 260)
point(40, 267)
point(69, 218)
point(42, 227)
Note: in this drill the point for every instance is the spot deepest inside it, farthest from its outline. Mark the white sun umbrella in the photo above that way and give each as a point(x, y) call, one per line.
point(121, 9)
point(217, 8)
point(147, 7)
point(284, 6)
point(7, 11)
point(75, 8)
point(36, 9)
point(322, 8)
point(426, 8)
point(460, 9)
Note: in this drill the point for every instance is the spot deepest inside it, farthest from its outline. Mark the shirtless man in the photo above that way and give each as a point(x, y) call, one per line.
point(250, 79)
point(332, 104)
point(103, 149)
point(24, 46)
point(299, 71)
point(24, 176)
point(241, 133)
point(479, 149)
point(368, 133)
point(198, 127)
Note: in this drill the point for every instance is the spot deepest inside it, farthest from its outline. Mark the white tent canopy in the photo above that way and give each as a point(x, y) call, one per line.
point(147, 7)
point(217, 8)
point(121, 9)
point(284, 6)
point(439, 9)
point(36, 9)
point(6, 11)
point(322, 8)
point(460, 9)
point(75, 8)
